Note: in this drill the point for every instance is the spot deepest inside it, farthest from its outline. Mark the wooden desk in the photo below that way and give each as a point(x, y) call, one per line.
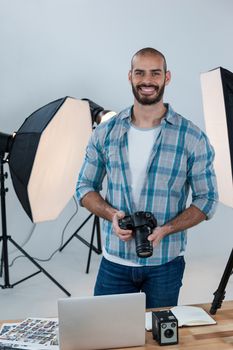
point(213, 337)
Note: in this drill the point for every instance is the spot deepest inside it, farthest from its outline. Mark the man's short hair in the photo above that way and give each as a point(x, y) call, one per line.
point(152, 51)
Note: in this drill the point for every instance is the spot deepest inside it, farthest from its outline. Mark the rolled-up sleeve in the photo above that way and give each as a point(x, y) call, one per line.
point(93, 169)
point(202, 178)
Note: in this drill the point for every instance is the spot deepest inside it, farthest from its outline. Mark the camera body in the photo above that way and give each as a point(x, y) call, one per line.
point(142, 224)
point(164, 327)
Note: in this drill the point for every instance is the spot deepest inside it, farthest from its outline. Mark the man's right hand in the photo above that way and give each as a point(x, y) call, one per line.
point(124, 235)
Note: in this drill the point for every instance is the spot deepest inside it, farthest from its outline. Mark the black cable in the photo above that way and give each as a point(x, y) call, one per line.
point(61, 244)
point(26, 240)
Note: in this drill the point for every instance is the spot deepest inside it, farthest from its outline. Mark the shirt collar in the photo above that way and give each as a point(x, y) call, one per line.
point(170, 116)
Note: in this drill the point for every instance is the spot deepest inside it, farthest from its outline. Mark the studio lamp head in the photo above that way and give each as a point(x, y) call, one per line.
point(98, 113)
point(95, 110)
point(6, 141)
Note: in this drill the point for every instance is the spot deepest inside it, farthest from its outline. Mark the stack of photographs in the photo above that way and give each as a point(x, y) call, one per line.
point(32, 333)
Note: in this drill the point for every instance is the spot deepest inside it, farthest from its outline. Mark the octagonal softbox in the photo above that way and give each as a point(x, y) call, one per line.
point(217, 93)
point(46, 156)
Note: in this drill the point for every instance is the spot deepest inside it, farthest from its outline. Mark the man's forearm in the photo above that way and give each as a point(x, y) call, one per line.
point(188, 218)
point(95, 203)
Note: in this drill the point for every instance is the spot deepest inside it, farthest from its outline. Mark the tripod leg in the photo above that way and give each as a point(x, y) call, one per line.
point(98, 249)
point(99, 245)
point(1, 267)
point(219, 295)
point(4, 238)
point(4, 257)
point(75, 234)
point(38, 266)
point(91, 243)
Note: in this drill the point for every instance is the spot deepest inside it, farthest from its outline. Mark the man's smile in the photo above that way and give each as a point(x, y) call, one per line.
point(147, 90)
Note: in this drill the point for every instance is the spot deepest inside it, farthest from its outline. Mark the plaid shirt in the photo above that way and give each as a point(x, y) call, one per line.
point(182, 157)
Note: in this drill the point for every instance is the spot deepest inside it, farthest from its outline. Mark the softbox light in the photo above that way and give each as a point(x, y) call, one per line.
point(217, 94)
point(46, 156)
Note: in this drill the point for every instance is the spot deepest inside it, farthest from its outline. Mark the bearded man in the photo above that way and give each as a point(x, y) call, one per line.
point(152, 157)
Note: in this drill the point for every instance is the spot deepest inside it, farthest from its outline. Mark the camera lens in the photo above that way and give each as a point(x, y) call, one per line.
point(168, 333)
point(144, 248)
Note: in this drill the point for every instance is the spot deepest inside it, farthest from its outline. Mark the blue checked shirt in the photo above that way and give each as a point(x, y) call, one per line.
point(181, 158)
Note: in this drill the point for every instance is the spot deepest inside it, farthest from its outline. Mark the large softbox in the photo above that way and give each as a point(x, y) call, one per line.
point(46, 155)
point(217, 93)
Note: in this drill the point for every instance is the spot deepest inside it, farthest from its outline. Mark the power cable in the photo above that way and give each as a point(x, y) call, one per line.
point(62, 239)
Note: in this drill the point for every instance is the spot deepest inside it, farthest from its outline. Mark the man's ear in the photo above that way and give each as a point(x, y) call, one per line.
point(130, 76)
point(167, 77)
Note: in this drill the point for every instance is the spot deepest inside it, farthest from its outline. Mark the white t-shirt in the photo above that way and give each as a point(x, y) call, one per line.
point(140, 144)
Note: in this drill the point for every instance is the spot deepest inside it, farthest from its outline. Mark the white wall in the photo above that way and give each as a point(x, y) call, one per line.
point(82, 48)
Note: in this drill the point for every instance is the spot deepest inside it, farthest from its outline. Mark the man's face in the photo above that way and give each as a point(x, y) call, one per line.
point(148, 78)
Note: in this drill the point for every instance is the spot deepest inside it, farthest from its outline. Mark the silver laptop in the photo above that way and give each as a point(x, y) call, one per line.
point(102, 322)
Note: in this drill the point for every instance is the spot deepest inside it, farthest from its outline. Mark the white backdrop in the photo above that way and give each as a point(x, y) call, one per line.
point(82, 48)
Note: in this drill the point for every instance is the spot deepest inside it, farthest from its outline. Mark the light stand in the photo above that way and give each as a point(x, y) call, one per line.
point(98, 115)
point(51, 139)
point(217, 94)
point(5, 238)
point(95, 228)
point(219, 295)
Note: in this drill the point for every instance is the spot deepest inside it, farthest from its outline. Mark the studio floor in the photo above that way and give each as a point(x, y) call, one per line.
point(37, 296)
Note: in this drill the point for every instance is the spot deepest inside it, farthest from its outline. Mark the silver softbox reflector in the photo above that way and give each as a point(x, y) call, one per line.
point(217, 93)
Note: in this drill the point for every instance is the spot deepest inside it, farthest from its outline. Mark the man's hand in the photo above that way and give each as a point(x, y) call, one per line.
point(188, 218)
point(124, 235)
point(157, 235)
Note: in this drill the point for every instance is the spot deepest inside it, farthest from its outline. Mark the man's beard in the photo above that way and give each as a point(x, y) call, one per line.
point(148, 100)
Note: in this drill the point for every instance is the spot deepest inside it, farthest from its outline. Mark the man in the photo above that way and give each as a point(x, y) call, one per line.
point(151, 156)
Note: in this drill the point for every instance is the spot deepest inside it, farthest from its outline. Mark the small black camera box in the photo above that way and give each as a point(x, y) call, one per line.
point(164, 327)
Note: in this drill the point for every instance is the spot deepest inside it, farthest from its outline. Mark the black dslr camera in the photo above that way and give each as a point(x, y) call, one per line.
point(165, 327)
point(142, 224)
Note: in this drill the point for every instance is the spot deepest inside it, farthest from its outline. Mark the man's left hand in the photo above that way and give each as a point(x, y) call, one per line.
point(158, 233)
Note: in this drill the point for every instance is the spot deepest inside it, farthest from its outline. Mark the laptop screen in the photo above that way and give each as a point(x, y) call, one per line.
point(102, 322)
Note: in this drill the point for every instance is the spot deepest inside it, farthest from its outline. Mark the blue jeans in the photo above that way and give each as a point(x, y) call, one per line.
point(161, 284)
